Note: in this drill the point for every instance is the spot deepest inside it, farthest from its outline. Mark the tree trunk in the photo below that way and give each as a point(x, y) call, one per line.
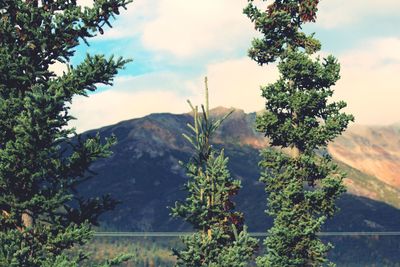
point(294, 152)
point(27, 219)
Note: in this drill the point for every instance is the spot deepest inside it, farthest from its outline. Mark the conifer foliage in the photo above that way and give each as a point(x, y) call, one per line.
point(302, 185)
point(221, 238)
point(40, 216)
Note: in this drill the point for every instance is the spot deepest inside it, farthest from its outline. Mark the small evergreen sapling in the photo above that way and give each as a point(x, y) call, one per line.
point(302, 185)
point(41, 216)
point(221, 238)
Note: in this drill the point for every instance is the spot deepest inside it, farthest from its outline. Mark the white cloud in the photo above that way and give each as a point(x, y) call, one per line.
point(184, 28)
point(233, 83)
point(236, 83)
point(111, 106)
point(336, 13)
point(132, 97)
point(191, 28)
point(370, 85)
point(130, 22)
point(371, 81)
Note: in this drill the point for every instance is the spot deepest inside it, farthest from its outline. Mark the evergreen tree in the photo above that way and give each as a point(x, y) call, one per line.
point(302, 183)
point(221, 238)
point(41, 217)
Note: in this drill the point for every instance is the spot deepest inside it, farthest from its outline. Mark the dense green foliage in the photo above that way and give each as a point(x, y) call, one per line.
point(302, 187)
point(220, 238)
point(40, 216)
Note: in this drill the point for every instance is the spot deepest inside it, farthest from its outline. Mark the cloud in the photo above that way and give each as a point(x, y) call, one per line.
point(212, 38)
point(130, 22)
point(236, 83)
point(232, 83)
point(339, 13)
point(370, 84)
point(187, 28)
point(133, 97)
point(191, 28)
point(110, 107)
point(370, 81)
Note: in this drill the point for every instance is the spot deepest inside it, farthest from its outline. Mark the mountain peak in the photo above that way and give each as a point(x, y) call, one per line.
point(221, 111)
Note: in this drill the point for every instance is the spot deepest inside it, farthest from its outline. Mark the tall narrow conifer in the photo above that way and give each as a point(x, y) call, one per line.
point(41, 216)
point(302, 184)
point(220, 238)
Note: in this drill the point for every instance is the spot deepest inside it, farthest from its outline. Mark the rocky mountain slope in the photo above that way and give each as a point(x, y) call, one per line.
point(372, 150)
point(144, 173)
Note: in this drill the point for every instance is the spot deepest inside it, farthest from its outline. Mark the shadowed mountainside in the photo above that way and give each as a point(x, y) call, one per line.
point(145, 175)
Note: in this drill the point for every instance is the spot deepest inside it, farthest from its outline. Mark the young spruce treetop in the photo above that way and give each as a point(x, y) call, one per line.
point(40, 216)
point(220, 240)
point(302, 185)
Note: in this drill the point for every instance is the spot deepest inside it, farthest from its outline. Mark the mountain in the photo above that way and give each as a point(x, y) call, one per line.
point(145, 175)
point(375, 151)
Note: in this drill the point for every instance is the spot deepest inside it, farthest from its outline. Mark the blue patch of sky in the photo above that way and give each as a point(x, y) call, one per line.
point(147, 62)
point(355, 35)
point(125, 48)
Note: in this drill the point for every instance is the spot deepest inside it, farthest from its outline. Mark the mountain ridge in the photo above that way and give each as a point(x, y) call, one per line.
point(144, 173)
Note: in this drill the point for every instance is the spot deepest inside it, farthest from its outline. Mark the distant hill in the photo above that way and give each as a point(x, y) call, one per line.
point(145, 175)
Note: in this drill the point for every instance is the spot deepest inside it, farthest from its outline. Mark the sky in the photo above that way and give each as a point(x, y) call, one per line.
point(174, 44)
